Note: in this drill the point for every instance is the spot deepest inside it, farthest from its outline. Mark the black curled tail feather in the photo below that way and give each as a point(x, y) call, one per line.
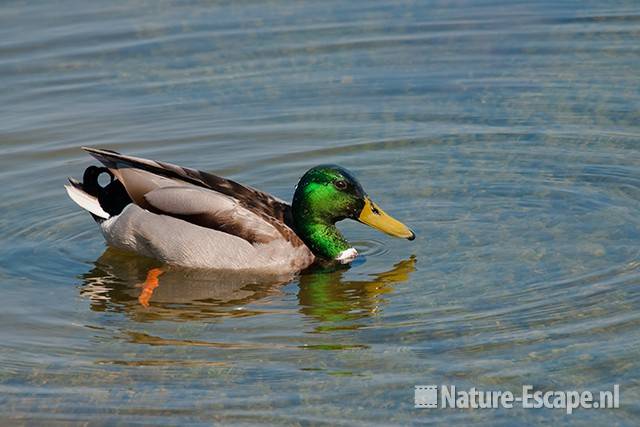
point(90, 177)
point(113, 197)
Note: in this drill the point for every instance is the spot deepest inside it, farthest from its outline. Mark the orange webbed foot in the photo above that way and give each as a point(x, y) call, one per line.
point(149, 285)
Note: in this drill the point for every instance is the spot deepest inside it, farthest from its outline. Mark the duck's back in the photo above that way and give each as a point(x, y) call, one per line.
point(190, 218)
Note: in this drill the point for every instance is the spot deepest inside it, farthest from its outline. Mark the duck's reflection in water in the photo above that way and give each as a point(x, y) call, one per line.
point(329, 297)
point(125, 283)
point(117, 283)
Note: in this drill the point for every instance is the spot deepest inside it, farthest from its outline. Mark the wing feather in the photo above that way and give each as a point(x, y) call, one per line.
point(252, 207)
point(212, 210)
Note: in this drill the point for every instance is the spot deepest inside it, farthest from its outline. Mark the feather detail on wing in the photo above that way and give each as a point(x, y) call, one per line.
point(201, 198)
point(213, 210)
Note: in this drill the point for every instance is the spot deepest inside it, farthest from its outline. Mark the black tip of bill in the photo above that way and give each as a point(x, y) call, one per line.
point(412, 237)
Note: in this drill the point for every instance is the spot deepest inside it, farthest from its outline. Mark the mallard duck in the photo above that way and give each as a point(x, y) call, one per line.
point(195, 219)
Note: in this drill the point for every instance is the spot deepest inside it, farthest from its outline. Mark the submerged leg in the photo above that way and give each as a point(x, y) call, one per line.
point(149, 285)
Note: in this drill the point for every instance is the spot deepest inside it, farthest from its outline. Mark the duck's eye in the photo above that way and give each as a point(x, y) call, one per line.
point(340, 184)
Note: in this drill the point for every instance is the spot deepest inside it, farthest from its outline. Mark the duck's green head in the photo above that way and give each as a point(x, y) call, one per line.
point(327, 194)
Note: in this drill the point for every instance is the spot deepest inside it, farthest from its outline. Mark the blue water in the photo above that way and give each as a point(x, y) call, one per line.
point(503, 132)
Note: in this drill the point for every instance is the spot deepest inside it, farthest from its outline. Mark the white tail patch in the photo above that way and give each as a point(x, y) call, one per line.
point(86, 201)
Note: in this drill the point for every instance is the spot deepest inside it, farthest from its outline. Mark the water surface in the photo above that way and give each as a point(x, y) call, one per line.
point(503, 132)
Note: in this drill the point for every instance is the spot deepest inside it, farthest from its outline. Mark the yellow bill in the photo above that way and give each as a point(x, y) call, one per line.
point(375, 217)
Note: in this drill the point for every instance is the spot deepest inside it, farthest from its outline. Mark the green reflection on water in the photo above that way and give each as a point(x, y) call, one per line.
point(328, 297)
